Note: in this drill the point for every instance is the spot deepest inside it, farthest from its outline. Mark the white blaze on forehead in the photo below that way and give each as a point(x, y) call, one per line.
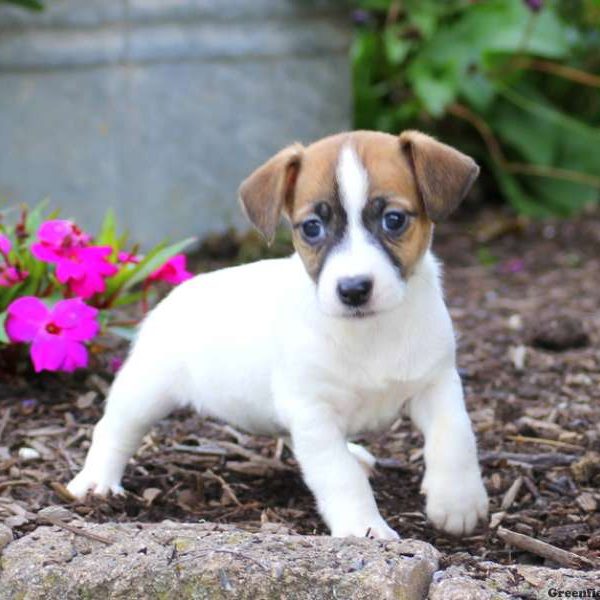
point(353, 183)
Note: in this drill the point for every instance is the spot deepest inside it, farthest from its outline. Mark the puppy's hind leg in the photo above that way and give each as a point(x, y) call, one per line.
point(141, 395)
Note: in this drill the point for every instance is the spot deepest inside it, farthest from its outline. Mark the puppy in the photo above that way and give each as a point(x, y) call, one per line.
point(325, 345)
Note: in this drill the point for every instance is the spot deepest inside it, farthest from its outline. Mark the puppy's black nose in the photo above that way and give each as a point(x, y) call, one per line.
point(355, 291)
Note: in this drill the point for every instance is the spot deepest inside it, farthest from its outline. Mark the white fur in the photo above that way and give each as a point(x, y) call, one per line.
point(356, 254)
point(251, 345)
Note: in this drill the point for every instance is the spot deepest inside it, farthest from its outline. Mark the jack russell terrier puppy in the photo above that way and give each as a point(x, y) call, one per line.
point(335, 341)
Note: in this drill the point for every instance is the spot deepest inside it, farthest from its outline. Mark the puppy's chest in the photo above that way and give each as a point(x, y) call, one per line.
point(372, 409)
point(367, 387)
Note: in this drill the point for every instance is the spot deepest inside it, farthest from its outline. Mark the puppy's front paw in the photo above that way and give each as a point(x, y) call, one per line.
point(456, 504)
point(375, 528)
point(93, 483)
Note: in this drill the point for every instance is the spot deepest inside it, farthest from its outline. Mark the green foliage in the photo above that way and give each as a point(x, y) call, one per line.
point(512, 85)
point(28, 4)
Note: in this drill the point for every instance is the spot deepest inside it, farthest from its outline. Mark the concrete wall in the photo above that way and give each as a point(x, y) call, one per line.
point(159, 108)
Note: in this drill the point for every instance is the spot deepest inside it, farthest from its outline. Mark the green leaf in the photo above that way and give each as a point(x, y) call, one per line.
point(35, 217)
point(521, 201)
point(125, 299)
point(153, 262)
point(3, 336)
point(478, 90)
point(127, 333)
point(130, 276)
point(434, 90)
point(108, 231)
point(396, 48)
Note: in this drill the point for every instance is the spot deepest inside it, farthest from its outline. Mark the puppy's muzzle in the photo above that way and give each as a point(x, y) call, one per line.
point(355, 291)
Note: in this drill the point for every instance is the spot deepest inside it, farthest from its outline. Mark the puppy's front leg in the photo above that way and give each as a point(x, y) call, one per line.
point(336, 478)
point(456, 497)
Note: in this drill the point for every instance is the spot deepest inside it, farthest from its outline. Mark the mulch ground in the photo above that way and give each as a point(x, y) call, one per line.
point(525, 299)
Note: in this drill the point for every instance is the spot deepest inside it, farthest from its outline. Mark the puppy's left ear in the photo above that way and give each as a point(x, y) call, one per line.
point(443, 175)
point(270, 189)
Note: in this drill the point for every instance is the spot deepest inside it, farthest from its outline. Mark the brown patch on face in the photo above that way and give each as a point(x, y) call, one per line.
point(391, 181)
point(317, 196)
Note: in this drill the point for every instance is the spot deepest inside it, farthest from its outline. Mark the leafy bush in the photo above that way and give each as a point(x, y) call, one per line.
point(510, 81)
point(59, 287)
point(28, 4)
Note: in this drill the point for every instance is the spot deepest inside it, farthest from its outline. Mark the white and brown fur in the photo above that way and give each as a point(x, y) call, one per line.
point(275, 347)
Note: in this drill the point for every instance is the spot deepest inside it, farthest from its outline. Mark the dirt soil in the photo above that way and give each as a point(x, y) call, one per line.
point(525, 299)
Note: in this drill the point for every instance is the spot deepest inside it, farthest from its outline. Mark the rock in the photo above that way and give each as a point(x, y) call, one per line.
point(6, 536)
point(558, 333)
point(174, 560)
point(489, 581)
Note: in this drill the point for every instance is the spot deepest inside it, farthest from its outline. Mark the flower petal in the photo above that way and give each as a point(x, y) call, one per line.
point(48, 352)
point(76, 319)
point(76, 356)
point(45, 253)
point(26, 317)
point(5, 244)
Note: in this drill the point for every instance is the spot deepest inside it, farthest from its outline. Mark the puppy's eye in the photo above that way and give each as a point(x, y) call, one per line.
point(313, 230)
point(394, 222)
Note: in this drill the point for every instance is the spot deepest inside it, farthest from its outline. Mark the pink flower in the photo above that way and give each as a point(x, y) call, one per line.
point(173, 271)
point(56, 334)
point(84, 269)
point(56, 237)
point(513, 265)
point(115, 363)
point(5, 245)
point(128, 259)
point(10, 276)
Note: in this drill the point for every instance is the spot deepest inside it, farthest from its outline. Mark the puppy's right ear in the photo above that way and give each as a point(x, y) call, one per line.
point(270, 189)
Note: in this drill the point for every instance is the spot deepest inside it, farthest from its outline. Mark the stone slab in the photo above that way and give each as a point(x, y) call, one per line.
point(174, 560)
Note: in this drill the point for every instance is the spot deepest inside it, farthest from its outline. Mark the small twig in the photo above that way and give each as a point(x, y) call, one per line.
point(212, 450)
point(75, 530)
point(543, 549)
point(4, 421)
point(14, 483)
point(254, 456)
point(226, 487)
point(533, 440)
point(543, 460)
point(195, 555)
point(495, 150)
point(546, 66)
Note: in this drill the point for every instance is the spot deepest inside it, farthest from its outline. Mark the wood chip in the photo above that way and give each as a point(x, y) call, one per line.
point(587, 467)
point(511, 494)
point(496, 519)
point(62, 492)
point(543, 549)
point(150, 495)
point(517, 355)
point(86, 400)
point(4, 421)
point(587, 502)
point(540, 427)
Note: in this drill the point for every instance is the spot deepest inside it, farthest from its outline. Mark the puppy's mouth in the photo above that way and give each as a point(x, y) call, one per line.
point(359, 313)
